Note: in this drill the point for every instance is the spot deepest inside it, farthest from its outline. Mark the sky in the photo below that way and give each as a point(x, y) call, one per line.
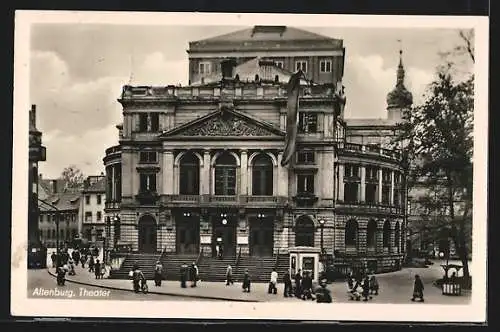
point(77, 72)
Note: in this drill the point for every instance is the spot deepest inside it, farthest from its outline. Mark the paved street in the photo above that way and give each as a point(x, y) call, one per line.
point(40, 281)
point(395, 287)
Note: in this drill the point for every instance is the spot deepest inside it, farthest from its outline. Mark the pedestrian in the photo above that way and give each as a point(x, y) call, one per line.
point(229, 275)
point(194, 274)
point(298, 281)
point(71, 266)
point(83, 259)
point(272, 288)
point(97, 269)
point(246, 282)
point(61, 275)
point(183, 275)
point(217, 250)
point(53, 258)
point(306, 286)
point(221, 251)
point(323, 294)
point(91, 263)
point(366, 289)
point(418, 289)
point(158, 273)
point(76, 256)
point(287, 280)
point(374, 285)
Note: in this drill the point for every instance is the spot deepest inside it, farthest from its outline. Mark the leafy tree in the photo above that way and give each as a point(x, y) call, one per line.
point(73, 177)
point(438, 141)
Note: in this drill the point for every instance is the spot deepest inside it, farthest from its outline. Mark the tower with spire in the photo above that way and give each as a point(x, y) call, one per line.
point(399, 98)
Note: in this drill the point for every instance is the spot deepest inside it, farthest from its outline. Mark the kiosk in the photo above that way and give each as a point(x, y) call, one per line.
point(305, 259)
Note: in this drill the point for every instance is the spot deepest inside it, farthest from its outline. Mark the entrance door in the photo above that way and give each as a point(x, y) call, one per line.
point(188, 235)
point(261, 237)
point(147, 234)
point(227, 236)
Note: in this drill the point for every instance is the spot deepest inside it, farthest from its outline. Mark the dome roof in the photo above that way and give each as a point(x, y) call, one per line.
point(399, 97)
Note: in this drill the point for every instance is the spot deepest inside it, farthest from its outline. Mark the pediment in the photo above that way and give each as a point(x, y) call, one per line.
point(225, 123)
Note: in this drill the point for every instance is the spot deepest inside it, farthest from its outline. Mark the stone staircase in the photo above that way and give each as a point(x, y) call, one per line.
point(146, 262)
point(172, 264)
point(214, 269)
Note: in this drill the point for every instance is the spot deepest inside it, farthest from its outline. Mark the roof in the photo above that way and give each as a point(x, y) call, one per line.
point(247, 71)
point(267, 33)
point(98, 186)
point(62, 201)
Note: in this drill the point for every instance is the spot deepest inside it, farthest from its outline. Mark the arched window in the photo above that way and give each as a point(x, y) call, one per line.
point(304, 232)
point(262, 175)
point(387, 234)
point(371, 240)
point(189, 175)
point(396, 236)
point(225, 175)
point(351, 233)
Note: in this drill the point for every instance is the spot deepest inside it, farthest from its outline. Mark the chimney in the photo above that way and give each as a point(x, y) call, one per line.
point(227, 66)
point(54, 186)
point(32, 118)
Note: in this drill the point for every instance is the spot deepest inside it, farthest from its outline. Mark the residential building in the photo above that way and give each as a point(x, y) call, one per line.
point(92, 208)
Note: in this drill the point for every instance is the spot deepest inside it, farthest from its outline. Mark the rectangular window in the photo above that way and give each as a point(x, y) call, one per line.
point(88, 216)
point(99, 199)
point(147, 182)
point(99, 215)
point(351, 170)
point(305, 157)
point(301, 65)
point(371, 173)
point(386, 192)
point(155, 121)
point(99, 234)
point(279, 64)
point(189, 180)
point(87, 199)
point(386, 175)
point(370, 193)
point(308, 122)
point(305, 183)
point(148, 157)
point(351, 192)
point(143, 122)
point(325, 66)
point(204, 68)
point(225, 181)
point(41, 218)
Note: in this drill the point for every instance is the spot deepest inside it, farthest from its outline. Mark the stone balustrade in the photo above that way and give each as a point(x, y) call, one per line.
point(369, 150)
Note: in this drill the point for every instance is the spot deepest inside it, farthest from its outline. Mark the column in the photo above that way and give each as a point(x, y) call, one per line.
point(340, 189)
point(391, 196)
point(362, 190)
point(113, 183)
point(282, 177)
point(379, 186)
point(168, 172)
point(205, 173)
point(244, 173)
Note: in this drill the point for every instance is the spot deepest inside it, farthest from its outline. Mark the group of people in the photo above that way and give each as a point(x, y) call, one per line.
point(362, 286)
point(65, 263)
point(190, 273)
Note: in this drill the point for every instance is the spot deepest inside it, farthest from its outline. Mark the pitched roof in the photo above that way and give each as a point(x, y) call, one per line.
point(61, 201)
point(98, 186)
point(267, 33)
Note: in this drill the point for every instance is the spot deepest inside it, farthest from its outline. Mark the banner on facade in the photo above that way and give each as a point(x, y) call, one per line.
point(292, 120)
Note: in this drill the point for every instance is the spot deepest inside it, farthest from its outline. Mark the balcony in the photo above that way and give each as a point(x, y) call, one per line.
point(369, 150)
point(305, 199)
point(242, 200)
point(369, 207)
point(147, 197)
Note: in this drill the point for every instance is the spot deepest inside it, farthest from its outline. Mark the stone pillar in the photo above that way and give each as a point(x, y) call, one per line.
point(282, 177)
point(168, 172)
point(391, 196)
point(362, 190)
point(205, 173)
point(340, 196)
point(244, 173)
point(113, 184)
point(327, 177)
point(379, 200)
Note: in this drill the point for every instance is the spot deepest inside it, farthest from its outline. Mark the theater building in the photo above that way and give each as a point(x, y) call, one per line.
point(201, 164)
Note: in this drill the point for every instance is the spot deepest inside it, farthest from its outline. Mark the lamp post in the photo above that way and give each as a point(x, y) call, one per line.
point(322, 224)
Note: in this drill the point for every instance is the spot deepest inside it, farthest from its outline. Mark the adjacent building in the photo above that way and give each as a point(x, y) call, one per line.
point(92, 208)
point(200, 165)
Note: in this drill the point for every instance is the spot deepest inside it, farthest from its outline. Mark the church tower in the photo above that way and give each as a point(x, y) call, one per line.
point(399, 98)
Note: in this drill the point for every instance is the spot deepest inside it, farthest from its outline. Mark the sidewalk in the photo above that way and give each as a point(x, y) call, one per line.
point(395, 288)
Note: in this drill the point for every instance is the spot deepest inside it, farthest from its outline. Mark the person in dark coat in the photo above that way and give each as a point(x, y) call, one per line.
point(83, 259)
point(287, 280)
point(193, 274)
point(298, 282)
point(306, 287)
point(158, 276)
point(91, 263)
point(246, 282)
point(97, 269)
point(76, 256)
point(366, 289)
point(183, 275)
point(374, 285)
point(53, 258)
point(418, 289)
point(323, 294)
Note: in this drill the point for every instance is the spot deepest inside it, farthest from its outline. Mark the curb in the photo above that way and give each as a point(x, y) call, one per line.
point(157, 293)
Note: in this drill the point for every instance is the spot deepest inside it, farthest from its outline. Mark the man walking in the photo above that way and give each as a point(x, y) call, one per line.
point(287, 280)
point(418, 289)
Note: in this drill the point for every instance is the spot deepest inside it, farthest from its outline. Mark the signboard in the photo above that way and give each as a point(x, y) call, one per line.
point(242, 240)
point(205, 239)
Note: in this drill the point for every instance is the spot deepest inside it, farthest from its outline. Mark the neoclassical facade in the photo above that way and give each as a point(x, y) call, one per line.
point(201, 164)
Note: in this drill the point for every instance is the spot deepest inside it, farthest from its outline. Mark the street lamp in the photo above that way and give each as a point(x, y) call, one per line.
point(322, 224)
point(224, 218)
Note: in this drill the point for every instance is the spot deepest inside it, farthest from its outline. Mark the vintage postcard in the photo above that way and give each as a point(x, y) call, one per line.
point(248, 166)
